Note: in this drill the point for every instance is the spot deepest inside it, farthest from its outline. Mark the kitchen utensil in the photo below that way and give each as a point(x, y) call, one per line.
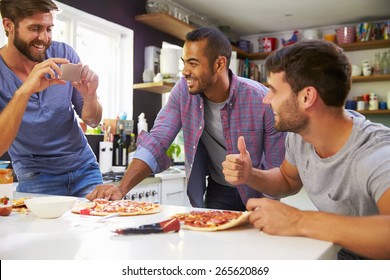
point(108, 217)
point(161, 227)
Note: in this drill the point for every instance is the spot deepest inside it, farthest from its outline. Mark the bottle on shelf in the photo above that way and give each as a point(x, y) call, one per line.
point(385, 64)
point(377, 64)
point(132, 148)
point(120, 151)
point(142, 124)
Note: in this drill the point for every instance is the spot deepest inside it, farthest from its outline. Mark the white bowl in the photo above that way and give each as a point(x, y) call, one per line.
point(50, 206)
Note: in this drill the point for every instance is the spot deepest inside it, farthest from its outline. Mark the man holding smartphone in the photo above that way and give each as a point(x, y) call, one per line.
point(40, 130)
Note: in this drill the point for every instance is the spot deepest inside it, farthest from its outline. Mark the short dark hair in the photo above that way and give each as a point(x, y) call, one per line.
point(16, 10)
point(316, 63)
point(217, 43)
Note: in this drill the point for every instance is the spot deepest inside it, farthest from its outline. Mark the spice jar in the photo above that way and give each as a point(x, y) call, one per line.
point(6, 191)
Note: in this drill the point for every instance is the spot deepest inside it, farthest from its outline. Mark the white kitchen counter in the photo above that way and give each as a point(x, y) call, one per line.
point(75, 236)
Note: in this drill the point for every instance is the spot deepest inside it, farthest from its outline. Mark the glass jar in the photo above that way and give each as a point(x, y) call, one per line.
point(385, 67)
point(6, 191)
point(377, 65)
point(6, 176)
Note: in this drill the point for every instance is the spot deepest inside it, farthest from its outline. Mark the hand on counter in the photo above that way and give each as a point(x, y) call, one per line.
point(106, 191)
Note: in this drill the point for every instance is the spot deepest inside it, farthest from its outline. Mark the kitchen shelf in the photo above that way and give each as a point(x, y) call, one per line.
point(368, 45)
point(166, 23)
point(174, 27)
point(158, 87)
point(178, 29)
point(371, 78)
point(375, 44)
point(374, 112)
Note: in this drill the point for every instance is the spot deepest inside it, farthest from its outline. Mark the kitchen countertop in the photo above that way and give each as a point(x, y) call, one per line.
point(75, 236)
point(171, 173)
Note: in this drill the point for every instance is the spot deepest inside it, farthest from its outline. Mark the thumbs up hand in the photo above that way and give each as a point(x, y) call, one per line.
point(237, 167)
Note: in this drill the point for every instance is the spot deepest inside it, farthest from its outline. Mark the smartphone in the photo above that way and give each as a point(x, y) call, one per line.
point(71, 72)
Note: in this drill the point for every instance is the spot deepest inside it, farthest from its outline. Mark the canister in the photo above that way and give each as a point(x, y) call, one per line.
point(6, 191)
point(373, 104)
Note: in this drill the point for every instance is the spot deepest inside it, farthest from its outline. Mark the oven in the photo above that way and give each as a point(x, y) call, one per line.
point(149, 190)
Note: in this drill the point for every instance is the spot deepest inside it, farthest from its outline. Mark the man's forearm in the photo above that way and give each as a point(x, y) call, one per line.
point(270, 182)
point(92, 111)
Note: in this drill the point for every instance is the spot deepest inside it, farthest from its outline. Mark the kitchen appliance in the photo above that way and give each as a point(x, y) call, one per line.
point(152, 59)
point(148, 192)
point(170, 62)
point(105, 156)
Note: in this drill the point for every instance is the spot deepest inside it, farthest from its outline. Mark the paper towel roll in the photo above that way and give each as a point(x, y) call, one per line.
point(105, 156)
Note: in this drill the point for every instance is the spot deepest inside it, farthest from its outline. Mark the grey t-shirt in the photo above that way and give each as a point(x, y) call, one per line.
point(212, 138)
point(351, 181)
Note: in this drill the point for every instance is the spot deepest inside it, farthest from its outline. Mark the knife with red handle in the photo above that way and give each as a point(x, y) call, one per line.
point(161, 227)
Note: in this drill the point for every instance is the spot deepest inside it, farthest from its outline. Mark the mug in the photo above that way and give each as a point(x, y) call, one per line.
point(269, 44)
point(366, 63)
point(367, 70)
point(356, 70)
point(361, 105)
point(351, 104)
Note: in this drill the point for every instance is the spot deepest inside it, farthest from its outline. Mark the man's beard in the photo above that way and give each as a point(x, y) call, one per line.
point(24, 48)
point(206, 81)
point(290, 118)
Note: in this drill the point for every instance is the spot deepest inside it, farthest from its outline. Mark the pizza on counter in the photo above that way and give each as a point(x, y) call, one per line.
point(18, 205)
point(212, 220)
point(104, 207)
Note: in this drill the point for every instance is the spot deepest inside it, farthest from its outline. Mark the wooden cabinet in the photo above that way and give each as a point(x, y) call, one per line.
point(173, 187)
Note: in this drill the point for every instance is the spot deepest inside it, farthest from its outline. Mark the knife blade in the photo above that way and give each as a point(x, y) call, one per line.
point(164, 226)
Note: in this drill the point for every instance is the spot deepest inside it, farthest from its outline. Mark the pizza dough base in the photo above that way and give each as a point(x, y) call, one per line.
point(243, 219)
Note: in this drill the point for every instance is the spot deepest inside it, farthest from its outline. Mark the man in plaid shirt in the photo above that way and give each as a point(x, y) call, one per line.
point(213, 107)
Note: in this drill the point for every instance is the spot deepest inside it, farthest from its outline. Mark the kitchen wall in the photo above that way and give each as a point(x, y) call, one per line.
point(123, 12)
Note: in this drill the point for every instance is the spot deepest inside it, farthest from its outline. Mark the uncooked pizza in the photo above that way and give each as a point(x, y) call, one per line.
point(104, 207)
point(18, 205)
point(212, 220)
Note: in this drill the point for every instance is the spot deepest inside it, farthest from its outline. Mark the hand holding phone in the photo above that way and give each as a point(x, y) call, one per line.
point(71, 72)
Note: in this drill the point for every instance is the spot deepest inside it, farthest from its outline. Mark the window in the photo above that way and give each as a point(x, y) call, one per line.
point(107, 48)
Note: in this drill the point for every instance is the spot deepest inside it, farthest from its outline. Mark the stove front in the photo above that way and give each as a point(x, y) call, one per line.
point(148, 190)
